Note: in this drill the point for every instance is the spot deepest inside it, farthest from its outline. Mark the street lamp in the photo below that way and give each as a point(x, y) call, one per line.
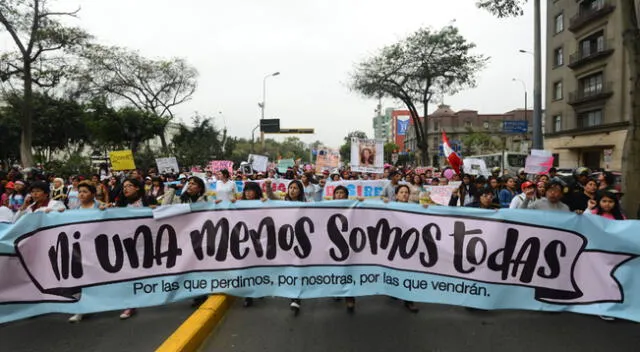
point(537, 78)
point(262, 105)
point(524, 86)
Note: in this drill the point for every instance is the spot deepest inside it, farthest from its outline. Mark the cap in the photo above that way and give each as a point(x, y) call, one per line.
point(582, 171)
point(10, 185)
point(521, 170)
point(526, 184)
point(182, 177)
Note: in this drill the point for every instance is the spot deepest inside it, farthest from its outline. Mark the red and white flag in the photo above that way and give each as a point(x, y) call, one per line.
point(452, 157)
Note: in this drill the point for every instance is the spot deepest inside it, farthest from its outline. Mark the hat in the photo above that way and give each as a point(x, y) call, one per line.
point(19, 182)
point(325, 172)
point(526, 184)
point(10, 185)
point(182, 177)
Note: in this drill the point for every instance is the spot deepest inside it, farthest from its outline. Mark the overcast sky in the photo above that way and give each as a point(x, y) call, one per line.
point(314, 44)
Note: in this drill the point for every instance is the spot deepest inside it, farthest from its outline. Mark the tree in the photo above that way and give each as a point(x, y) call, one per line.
point(413, 70)
point(390, 148)
point(199, 144)
point(155, 86)
point(631, 34)
point(38, 36)
point(59, 123)
point(480, 142)
point(345, 149)
point(124, 128)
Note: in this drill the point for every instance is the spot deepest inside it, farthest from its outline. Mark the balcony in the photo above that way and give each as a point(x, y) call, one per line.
point(580, 96)
point(585, 16)
point(581, 58)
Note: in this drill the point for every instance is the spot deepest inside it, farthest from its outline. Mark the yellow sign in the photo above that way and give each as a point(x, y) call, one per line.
point(122, 160)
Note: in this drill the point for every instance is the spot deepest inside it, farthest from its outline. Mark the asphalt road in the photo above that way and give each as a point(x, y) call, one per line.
point(102, 332)
point(383, 324)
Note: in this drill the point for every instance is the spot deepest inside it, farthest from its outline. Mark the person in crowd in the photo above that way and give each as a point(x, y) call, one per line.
point(114, 188)
point(18, 196)
point(417, 188)
point(485, 199)
point(402, 193)
point(87, 196)
point(310, 189)
point(543, 178)
point(527, 187)
point(506, 195)
point(295, 193)
point(225, 187)
point(580, 178)
point(148, 182)
point(58, 190)
point(342, 193)
point(465, 194)
point(581, 200)
point(435, 181)
point(444, 181)
point(133, 197)
point(157, 188)
point(551, 201)
point(102, 193)
point(39, 201)
point(607, 180)
point(251, 191)
point(9, 187)
point(6, 215)
point(389, 191)
point(521, 177)
point(195, 193)
point(541, 189)
point(494, 183)
point(321, 183)
point(72, 193)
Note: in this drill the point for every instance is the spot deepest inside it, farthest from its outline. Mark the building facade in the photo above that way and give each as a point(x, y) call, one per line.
point(588, 106)
point(460, 126)
point(382, 125)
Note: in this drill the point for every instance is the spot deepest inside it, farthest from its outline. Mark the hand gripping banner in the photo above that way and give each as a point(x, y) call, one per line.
point(447, 255)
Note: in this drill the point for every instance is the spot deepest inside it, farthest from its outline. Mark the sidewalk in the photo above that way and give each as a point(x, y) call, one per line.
point(382, 324)
point(144, 331)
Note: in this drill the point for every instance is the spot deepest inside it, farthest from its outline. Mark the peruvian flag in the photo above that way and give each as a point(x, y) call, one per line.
point(454, 159)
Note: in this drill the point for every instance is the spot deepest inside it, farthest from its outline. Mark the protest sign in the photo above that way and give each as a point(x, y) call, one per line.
point(440, 194)
point(278, 186)
point(284, 164)
point(122, 160)
point(217, 165)
point(167, 165)
point(367, 155)
point(327, 159)
point(538, 164)
point(258, 162)
point(105, 260)
point(477, 167)
point(356, 188)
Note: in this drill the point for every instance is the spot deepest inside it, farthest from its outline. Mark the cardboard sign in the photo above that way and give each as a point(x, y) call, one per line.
point(122, 160)
point(475, 167)
point(217, 165)
point(258, 162)
point(167, 165)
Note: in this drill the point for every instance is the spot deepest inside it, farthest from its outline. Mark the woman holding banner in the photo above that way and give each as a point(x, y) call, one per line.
point(194, 193)
point(295, 193)
point(225, 188)
point(133, 196)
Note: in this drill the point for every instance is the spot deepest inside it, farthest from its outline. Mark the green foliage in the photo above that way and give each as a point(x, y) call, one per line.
point(476, 143)
point(418, 67)
point(75, 164)
point(503, 8)
point(390, 148)
point(199, 144)
point(9, 135)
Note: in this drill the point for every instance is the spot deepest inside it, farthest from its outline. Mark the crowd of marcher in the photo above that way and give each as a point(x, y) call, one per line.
point(31, 190)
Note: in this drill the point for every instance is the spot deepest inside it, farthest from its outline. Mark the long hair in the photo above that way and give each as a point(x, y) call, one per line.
point(616, 212)
point(300, 196)
point(252, 186)
point(185, 197)
point(123, 201)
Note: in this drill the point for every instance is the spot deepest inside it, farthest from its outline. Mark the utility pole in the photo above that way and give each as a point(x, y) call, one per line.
point(537, 79)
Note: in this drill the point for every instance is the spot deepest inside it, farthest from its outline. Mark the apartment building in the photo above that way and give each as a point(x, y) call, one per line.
point(588, 106)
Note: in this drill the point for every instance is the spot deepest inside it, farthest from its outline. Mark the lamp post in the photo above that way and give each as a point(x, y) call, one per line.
point(524, 86)
point(262, 105)
point(537, 77)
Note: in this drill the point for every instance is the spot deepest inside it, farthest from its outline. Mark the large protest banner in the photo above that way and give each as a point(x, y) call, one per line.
point(367, 155)
point(327, 159)
point(90, 260)
point(357, 188)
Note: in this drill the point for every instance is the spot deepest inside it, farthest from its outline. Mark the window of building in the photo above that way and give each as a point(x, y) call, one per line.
point(468, 124)
point(557, 90)
point(436, 142)
point(592, 44)
point(589, 118)
point(591, 5)
point(486, 125)
point(591, 85)
point(436, 126)
point(558, 57)
point(559, 23)
point(557, 123)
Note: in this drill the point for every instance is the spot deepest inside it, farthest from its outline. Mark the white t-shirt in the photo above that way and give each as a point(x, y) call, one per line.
point(6, 215)
point(226, 190)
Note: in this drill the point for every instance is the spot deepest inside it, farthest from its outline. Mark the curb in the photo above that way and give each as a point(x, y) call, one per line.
point(193, 331)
